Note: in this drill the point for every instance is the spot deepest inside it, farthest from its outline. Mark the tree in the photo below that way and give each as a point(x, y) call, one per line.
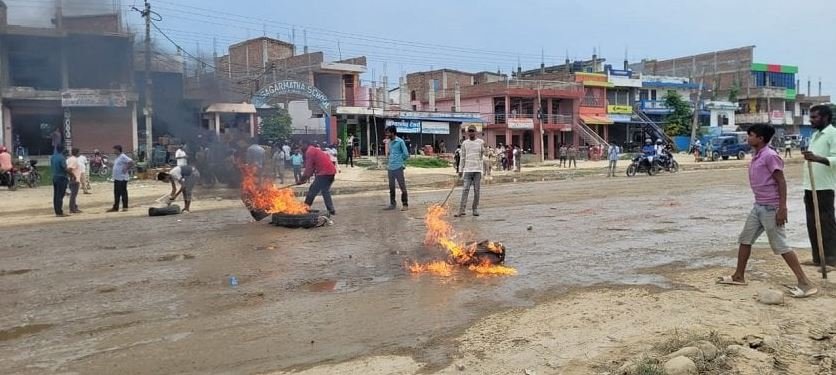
point(679, 120)
point(277, 127)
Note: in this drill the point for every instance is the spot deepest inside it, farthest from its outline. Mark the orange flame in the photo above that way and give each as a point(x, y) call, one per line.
point(440, 233)
point(268, 197)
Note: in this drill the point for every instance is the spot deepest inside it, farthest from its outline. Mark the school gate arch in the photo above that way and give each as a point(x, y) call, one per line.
point(297, 88)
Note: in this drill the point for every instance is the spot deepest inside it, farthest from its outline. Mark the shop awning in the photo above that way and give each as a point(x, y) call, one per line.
point(443, 119)
point(596, 120)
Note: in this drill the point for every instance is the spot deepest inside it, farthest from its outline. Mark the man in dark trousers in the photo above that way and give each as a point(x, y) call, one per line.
point(398, 154)
point(822, 153)
point(318, 163)
point(60, 179)
point(121, 175)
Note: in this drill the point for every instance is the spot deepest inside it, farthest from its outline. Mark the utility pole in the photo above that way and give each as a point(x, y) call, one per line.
point(696, 118)
point(149, 113)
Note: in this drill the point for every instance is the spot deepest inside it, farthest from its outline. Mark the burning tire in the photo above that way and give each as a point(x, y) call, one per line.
point(311, 219)
point(488, 252)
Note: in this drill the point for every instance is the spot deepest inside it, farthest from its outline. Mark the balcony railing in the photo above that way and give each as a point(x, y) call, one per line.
point(593, 102)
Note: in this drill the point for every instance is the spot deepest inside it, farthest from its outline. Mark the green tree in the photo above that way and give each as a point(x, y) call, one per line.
point(679, 120)
point(277, 127)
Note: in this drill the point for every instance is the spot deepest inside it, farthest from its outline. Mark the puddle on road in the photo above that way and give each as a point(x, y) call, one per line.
point(20, 331)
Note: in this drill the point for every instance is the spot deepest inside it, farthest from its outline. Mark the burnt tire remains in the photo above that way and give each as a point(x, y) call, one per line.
point(311, 219)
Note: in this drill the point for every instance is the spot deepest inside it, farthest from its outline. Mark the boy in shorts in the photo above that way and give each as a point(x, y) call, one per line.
point(769, 214)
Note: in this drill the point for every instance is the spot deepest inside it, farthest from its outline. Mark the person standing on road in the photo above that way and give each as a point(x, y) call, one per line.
point(613, 154)
point(279, 158)
point(75, 174)
point(802, 144)
point(6, 167)
point(349, 151)
point(58, 166)
point(573, 157)
point(470, 170)
point(822, 153)
point(255, 156)
point(517, 158)
point(509, 157)
point(787, 148)
point(84, 167)
point(769, 214)
point(318, 163)
point(488, 163)
point(563, 151)
point(398, 155)
point(180, 156)
point(296, 160)
point(121, 166)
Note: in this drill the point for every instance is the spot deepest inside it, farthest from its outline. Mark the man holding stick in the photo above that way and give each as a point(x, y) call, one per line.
point(822, 154)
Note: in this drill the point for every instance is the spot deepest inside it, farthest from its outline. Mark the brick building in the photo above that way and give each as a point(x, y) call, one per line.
point(76, 76)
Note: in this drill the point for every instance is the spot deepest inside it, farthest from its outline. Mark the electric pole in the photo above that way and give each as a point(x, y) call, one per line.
point(695, 119)
point(149, 142)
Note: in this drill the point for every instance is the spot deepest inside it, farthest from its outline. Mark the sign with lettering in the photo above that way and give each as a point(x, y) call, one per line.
point(93, 98)
point(405, 126)
point(622, 109)
point(434, 127)
point(290, 87)
point(521, 123)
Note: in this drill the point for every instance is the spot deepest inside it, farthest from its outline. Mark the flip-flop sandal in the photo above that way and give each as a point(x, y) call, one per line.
point(727, 280)
point(797, 292)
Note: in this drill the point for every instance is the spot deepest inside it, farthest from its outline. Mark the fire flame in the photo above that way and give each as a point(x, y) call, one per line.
point(440, 233)
point(268, 197)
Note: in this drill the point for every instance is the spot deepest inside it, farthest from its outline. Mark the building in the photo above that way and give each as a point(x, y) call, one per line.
point(536, 115)
point(765, 93)
point(76, 76)
point(254, 65)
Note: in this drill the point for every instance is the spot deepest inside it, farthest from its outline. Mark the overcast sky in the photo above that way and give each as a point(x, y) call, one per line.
point(490, 35)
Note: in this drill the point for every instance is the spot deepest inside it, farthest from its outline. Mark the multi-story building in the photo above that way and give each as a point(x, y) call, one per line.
point(536, 115)
point(76, 76)
point(765, 93)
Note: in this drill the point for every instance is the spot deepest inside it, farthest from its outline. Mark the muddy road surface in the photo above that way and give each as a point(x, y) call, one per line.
point(151, 295)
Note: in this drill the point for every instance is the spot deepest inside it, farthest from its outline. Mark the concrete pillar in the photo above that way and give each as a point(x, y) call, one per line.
point(550, 145)
point(134, 128)
point(549, 114)
point(431, 93)
point(65, 71)
point(68, 129)
point(217, 123)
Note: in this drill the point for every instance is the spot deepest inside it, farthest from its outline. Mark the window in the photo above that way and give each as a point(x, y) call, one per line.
point(436, 85)
point(412, 95)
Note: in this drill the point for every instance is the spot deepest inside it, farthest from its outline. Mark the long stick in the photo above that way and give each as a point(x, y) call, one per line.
point(450, 193)
point(818, 221)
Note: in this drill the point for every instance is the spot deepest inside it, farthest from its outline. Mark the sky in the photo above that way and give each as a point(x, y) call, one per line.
point(401, 37)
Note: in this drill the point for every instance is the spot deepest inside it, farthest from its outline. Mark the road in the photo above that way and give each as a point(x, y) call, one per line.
point(150, 295)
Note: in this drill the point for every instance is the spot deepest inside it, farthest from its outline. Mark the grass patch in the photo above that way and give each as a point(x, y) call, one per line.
point(652, 362)
point(427, 162)
point(648, 366)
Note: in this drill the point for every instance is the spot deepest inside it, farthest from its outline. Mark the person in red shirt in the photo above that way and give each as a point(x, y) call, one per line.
point(318, 163)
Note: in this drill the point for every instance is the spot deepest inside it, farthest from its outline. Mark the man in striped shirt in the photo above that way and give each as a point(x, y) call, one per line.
point(470, 169)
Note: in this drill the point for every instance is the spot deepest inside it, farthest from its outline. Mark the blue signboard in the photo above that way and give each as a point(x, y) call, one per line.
point(405, 126)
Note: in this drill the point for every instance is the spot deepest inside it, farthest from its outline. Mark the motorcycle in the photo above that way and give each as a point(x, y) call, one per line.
point(642, 163)
point(28, 174)
point(98, 166)
point(667, 162)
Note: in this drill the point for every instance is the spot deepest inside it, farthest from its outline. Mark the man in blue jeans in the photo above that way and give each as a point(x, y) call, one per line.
point(398, 154)
point(58, 166)
point(318, 164)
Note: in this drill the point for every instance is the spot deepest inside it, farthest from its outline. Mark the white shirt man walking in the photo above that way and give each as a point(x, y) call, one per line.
point(613, 154)
point(470, 169)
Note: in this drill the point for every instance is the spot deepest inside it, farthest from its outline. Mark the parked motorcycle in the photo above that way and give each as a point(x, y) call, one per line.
point(27, 174)
point(642, 164)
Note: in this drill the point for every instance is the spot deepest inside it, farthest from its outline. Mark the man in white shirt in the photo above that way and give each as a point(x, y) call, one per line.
point(182, 181)
point(287, 154)
point(74, 169)
point(84, 167)
point(470, 169)
point(180, 157)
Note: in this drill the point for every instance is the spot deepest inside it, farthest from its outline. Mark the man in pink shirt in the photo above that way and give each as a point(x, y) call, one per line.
point(769, 214)
point(6, 167)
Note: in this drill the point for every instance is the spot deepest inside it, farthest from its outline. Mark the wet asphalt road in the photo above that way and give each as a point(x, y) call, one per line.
point(150, 295)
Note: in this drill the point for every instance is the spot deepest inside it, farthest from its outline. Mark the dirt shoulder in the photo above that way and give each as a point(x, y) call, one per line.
point(598, 329)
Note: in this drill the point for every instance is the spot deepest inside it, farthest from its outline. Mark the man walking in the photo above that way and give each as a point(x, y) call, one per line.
point(297, 161)
point(121, 166)
point(58, 165)
point(75, 173)
point(318, 163)
point(613, 154)
point(822, 153)
point(398, 154)
point(470, 169)
point(84, 168)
